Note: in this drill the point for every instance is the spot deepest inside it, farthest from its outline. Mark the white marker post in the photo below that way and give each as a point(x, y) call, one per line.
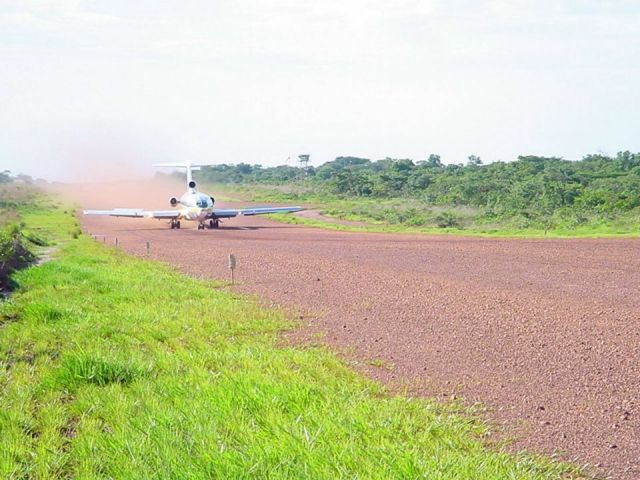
point(232, 265)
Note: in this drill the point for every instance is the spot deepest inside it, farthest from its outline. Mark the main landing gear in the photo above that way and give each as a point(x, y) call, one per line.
point(174, 224)
point(214, 223)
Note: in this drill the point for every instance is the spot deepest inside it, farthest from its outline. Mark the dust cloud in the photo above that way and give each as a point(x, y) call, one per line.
point(148, 193)
point(102, 152)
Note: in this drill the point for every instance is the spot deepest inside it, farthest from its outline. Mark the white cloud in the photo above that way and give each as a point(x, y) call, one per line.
point(25, 21)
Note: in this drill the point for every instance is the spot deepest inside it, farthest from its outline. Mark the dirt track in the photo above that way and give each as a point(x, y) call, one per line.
point(546, 333)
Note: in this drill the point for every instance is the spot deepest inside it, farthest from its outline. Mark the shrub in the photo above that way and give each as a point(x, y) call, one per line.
point(13, 253)
point(446, 220)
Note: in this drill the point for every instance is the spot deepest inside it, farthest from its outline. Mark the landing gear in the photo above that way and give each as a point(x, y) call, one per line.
point(175, 224)
point(213, 223)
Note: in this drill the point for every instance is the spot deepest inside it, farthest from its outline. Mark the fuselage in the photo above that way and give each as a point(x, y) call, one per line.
point(196, 206)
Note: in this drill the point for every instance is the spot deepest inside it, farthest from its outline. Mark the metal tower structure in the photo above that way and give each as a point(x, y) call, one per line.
point(304, 161)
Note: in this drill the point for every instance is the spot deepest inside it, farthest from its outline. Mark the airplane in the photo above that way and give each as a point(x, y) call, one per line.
point(195, 206)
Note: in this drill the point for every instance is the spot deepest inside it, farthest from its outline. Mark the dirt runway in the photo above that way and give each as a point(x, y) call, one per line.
point(545, 333)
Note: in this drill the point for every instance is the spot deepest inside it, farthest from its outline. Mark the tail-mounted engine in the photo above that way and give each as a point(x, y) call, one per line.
point(173, 201)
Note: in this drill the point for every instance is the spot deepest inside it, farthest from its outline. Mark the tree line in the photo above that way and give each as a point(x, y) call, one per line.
point(531, 185)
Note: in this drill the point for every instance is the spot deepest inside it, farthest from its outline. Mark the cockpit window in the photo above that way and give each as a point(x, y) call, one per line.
point(203, 202)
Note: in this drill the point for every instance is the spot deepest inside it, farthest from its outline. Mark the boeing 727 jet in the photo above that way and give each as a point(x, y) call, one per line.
point(192, 206)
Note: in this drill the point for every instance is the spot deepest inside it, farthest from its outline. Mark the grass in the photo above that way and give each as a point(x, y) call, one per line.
point(17, 244)
point(410, 215)
point(604, 231)
point(115, 367)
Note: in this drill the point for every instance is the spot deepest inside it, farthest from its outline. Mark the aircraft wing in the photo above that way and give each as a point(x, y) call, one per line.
point(266, 210)
point(135, 213)
point(233, 212)
point(225, 213)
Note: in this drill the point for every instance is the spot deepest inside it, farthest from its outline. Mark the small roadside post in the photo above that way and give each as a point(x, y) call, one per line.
point(232, 266)
point(148, 248)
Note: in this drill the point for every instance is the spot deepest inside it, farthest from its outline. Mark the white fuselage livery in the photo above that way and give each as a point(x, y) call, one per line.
point(197, 207)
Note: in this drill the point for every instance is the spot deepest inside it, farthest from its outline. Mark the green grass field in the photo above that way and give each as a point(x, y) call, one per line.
point(115, 367)
point(409, 215)
point(604, 231)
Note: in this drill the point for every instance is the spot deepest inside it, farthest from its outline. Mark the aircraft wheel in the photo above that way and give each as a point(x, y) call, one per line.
point(212, 224)
point(216, 224)
point(173, 224)
point(178, 224)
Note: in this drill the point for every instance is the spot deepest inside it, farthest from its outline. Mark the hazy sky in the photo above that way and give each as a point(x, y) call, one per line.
point(131, 82)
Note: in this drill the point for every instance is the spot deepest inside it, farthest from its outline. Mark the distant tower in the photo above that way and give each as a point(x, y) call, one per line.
point(304, 165)
point(304, 161)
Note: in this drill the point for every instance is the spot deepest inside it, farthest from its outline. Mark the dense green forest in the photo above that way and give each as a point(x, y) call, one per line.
point(531, 192)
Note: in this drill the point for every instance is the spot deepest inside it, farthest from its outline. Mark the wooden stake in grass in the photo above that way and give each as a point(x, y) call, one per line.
point(232, 266)
point(148, 247)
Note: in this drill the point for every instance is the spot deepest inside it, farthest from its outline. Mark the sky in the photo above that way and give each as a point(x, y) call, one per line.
point(93, 89)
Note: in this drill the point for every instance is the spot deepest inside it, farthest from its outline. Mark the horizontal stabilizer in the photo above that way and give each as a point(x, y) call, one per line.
point(190, 167)
point(180, 165)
